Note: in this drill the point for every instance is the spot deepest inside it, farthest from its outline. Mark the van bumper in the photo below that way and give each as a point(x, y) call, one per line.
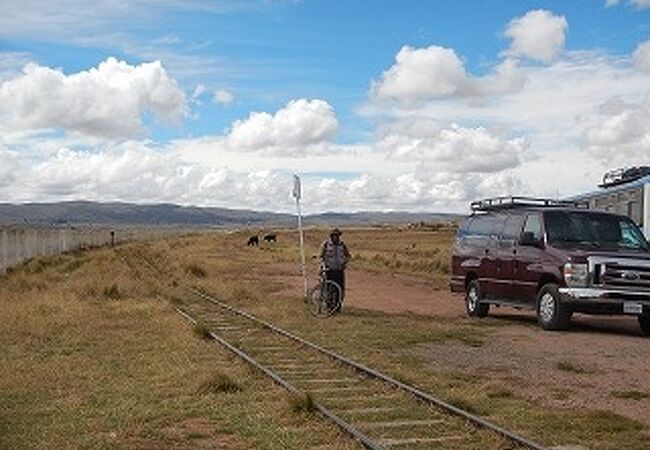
point(593, 300)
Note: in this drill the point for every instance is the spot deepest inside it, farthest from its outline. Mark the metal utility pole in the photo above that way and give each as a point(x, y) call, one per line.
point(297, 194)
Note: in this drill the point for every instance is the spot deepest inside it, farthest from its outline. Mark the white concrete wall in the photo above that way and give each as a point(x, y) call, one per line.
point(20, 244)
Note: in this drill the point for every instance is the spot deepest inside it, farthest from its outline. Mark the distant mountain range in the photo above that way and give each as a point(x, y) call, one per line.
point(80, 213)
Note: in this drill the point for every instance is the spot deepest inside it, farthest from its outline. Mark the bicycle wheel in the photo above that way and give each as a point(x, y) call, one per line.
point(324, 299)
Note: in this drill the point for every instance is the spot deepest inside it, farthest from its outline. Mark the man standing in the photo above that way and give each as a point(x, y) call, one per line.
point(334, 257)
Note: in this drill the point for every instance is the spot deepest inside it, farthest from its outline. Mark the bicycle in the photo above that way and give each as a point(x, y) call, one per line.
point(324, 299)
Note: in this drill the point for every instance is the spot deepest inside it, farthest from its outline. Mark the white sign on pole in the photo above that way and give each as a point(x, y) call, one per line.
point(297, 193)
point(297, 188)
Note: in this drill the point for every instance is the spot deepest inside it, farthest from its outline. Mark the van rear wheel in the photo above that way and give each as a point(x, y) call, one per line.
point(473, 297)
point(552, 314)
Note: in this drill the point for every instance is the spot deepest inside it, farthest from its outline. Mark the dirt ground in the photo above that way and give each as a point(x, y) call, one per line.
point(602, 363)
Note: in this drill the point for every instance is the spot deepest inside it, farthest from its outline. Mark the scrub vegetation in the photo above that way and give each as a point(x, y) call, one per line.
point(98, 371)
point(84, 368)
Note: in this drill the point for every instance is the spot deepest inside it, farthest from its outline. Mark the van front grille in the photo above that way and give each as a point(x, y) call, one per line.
point(623, 274)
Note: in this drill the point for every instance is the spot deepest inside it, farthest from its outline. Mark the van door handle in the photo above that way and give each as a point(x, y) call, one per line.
point(487, 251)
point(514, 251)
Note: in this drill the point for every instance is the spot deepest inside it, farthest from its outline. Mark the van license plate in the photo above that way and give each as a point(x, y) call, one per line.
point(632, 308)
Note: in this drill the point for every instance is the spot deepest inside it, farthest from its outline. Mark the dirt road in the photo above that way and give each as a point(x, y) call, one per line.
point(603, 363)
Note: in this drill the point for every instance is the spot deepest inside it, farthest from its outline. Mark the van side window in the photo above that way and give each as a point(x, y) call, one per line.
point(512, 228)
point(533, 225)
point(486, 225)
point(498, 224)
point(480, 226)
point(463, 230)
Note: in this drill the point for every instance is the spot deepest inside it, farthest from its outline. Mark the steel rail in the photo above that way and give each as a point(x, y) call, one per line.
point(418, 393)
point(424, 396)
point(345, 426)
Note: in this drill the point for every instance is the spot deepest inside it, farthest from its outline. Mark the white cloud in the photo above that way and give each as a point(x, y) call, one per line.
point(136, 172)
point(107, 101)
point(291, 130)
point(11, 168)
point(622, 136)
point(421, 74)
point(640, 4)
point(11, 63)
point(199, 90)
point(453, 148)
point(553, 108)
point(66, 18)
point(223, 97)
point(538, 35)
point(642, 56)
point(556, 110)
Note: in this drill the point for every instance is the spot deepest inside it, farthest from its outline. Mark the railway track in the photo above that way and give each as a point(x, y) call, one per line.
point(372, 407)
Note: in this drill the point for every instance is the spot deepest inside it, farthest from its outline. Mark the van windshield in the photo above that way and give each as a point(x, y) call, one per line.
point(596, 230)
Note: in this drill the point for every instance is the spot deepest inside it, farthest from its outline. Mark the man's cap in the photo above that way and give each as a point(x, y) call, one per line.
point(335, 231)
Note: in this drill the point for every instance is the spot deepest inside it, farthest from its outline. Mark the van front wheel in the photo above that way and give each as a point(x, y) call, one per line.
point(644, 323)
point(473, 297)
point(552, 314)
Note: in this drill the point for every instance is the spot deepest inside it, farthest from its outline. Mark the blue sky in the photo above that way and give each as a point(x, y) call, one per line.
point(317, 87)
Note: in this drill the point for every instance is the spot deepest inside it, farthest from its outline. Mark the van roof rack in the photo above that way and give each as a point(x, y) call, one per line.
point(624, 175)
point(490, 204)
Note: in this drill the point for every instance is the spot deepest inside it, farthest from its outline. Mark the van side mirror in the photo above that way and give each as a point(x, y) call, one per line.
point(528, 239)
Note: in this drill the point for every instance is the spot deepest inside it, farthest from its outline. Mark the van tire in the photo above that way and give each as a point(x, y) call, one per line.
point(644, 323)
point(473, 297)
point(552, 314)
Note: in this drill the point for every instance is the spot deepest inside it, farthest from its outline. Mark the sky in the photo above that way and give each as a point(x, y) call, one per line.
point(378, 105)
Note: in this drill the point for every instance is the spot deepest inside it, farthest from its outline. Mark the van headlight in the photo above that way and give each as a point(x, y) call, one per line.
point(576, 275)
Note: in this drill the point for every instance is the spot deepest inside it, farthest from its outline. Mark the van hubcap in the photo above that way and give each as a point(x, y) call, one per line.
point(472, 299)
point(547, 307)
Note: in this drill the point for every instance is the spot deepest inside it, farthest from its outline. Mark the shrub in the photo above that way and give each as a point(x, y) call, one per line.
point(218, 383)
point(202, 331)
point(112, 292)
point(196, 270)
point(569, 366)
point(301, 402)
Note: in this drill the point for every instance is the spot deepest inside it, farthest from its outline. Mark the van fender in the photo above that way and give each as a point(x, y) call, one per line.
point(471, 264)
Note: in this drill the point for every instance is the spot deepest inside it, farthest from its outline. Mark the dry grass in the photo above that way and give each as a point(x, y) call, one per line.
point(77, 371)
point(385, 341)
point(130, 363)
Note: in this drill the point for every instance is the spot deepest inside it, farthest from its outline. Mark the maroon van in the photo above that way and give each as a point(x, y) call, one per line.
point(553, 257)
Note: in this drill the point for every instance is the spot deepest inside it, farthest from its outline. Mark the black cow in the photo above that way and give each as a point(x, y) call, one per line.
point(271, 238)
point(253, 241)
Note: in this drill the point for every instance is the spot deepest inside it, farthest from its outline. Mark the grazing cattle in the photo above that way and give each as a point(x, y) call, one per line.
point(253, 241)
point(271, 238)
